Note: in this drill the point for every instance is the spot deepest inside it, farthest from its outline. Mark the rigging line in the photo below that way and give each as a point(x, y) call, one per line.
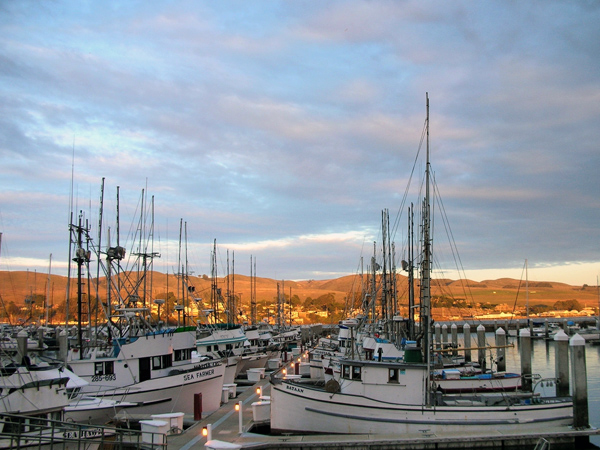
point(404, 197)
point(453, 246)
point(517, 295)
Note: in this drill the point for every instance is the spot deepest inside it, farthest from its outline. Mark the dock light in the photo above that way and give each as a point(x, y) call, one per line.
point(299, 359)
point(238, 407)
point(258, 391)
point(204, 431)
point(284, 371)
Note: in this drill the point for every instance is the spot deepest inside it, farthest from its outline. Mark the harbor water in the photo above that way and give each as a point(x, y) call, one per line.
point(543, 352)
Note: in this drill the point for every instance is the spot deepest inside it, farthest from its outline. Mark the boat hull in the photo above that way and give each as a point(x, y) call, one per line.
point(302, 408)
point(174, 392)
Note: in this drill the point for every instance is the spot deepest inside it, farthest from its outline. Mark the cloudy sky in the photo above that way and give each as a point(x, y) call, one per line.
point(282, 129)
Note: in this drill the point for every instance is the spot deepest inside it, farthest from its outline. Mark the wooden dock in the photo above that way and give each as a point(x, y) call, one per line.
point(226, 426)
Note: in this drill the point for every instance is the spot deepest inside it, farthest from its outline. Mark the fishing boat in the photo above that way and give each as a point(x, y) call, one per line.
point(375, 396)
point(155, 370)
point(33, 404)
point(155, 367)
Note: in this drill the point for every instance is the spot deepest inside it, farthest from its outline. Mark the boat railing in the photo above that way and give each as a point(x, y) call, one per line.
point(20, 431)
point(542, 444)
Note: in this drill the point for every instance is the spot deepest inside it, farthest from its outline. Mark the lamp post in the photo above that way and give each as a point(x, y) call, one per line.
point(238, 407)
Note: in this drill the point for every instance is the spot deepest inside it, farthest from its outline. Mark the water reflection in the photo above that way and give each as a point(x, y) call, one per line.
point(543, 353)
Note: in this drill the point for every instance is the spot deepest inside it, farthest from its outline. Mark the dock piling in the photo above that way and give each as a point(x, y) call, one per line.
point(525, 338)
point(467, 343)
point(481, 346)
point(561, 364)
point(579, 372)
point(501, 353)
point(454, 334)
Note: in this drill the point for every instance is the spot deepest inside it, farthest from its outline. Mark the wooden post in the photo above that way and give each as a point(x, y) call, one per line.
point(444, 335)
point(561, 364)
point(481, 345)
point(501, 354)
point(579, 372)
point(22, 337)
point(525, 338)
point(454, 334)
point(198, 406)
point(467, 341)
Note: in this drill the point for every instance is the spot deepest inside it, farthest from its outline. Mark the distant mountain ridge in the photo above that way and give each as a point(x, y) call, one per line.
point(16, 286)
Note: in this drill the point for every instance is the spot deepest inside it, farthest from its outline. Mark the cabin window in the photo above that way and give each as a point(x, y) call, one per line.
point(161, 362)
point(229, 347)
point(183, 354)
point(346, 372)
point(393, 376)
point(209, 348)
point(104, 368)
point(356, 372)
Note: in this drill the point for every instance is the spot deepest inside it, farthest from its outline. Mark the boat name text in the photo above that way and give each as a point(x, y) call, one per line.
point(111, 377)
point(83, 434)
point(293, 388)
point(204, 373)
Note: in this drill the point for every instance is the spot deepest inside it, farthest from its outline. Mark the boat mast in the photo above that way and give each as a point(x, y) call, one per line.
point(411, 276)
point(426, 269)
point(527, 293)
point(48, 283)
point(597, 289)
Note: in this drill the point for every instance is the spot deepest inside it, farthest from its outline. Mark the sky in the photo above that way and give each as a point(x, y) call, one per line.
point(282, 130)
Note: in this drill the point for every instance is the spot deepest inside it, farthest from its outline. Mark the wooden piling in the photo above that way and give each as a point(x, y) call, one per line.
point(501, 353)
point(525, 338)
point(481, 345)
point(467, 343)
point(561, 364)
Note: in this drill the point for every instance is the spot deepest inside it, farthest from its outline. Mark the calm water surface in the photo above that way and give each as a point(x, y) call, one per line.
point(543, 364)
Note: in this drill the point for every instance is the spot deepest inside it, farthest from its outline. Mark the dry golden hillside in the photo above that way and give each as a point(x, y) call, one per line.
point(17, 286)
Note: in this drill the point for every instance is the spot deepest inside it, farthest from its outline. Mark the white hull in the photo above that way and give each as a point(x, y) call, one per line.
point(257, 361)
point(300, 408)
point(153, 371)
point(34, 398)
point(95, 410)
point(499, 382)
point(231, 369)
point(175, 392)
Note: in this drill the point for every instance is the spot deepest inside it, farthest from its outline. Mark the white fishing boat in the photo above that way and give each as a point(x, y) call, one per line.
point(391, 397)
point(81, 408)
point(154, 370)
point(224, 344)
point(32, 411)
point(454, 381)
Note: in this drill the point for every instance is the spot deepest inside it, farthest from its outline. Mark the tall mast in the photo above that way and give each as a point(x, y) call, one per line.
point(253, 291)
point(233, 299)
point(527, 292)
point(100, 215)
point(48, 284)
point(228, 295)
point(411, 275)
point(214, 292)
point(184, 281)
point(426, 272)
